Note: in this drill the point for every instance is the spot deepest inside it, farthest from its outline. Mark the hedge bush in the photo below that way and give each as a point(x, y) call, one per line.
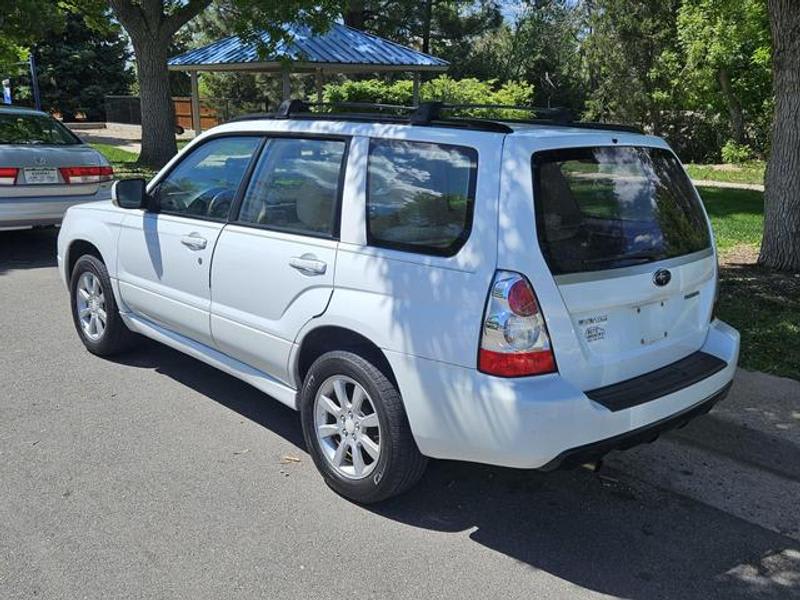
point(442, 88)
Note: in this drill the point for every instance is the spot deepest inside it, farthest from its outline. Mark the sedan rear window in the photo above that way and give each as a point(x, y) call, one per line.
point(34, 129)
point(608, 207)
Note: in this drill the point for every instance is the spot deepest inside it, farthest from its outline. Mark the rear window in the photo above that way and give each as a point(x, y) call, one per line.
point(420, 196)
point(608, 207)
point(33, 129)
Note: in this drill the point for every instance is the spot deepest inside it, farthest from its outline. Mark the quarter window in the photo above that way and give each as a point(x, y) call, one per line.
point(295, 186)
point(205, 182)
point(420, 196)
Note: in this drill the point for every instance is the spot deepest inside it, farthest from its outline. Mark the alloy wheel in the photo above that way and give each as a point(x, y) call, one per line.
point(90, 304)
point(347, 427)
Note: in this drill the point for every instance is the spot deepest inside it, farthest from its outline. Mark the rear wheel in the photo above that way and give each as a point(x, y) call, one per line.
point(94, 309)
point(356, 429)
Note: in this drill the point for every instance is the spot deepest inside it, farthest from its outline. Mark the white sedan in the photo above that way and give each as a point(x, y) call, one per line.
point(45, 169)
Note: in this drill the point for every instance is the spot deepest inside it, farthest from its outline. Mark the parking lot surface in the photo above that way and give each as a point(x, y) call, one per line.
point(155, 476)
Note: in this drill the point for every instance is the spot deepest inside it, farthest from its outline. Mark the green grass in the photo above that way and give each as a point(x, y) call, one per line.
point(737, 216)
point(762, 304)
point(765, 307)
point(124, 162)
point(752, 172)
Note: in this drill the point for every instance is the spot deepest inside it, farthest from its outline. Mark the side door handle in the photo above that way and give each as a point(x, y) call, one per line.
point(308, 264)
point(194, 241)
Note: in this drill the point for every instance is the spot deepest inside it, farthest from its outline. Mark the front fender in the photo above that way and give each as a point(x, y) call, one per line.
point(97, 224)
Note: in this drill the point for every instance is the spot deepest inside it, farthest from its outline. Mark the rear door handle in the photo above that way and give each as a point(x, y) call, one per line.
point(308, 264)
point(194, 241)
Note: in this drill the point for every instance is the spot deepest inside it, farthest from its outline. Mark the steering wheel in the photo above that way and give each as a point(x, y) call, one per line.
point(201, 203)
point(220, 203)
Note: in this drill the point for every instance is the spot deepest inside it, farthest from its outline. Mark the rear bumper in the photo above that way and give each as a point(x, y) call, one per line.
point(538, 422)
point(47, 210)
point(596, 450)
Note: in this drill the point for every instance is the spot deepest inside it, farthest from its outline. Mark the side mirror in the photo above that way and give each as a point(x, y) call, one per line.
point(129, 193)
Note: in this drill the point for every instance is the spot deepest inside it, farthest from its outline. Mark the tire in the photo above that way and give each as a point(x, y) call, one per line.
point(115, 336)
point(399, 464)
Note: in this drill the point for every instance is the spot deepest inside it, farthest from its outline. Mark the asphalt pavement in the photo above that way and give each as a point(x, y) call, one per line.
point(155, 476)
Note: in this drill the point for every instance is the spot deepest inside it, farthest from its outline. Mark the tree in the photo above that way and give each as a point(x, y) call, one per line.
point(446, 28)
point(541, 46)
point(23, 22)
point(780, 248)
point(79, 65)
point(727, 58)
point(632, 59)
point(152, 25)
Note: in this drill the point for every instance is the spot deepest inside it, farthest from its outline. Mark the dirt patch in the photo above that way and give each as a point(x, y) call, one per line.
point(741, 255)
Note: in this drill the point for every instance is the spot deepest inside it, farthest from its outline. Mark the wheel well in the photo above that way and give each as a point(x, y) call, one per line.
point(77, 249)
point(330, 338)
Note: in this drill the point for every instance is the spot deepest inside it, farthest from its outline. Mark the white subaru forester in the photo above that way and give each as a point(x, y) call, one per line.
point(528, 294)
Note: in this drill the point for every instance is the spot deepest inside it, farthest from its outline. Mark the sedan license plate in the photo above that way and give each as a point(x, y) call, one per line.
point(41, 175)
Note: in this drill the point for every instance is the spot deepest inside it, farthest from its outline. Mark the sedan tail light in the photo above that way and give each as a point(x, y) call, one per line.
point(87, 174)
point(8, 175)
point(514, 340)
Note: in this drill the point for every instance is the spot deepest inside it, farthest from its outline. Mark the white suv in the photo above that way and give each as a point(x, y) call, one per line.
point(526, 294)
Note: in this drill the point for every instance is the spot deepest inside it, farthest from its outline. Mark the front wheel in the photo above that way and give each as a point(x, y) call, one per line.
point(94, 309)
point(356, 429)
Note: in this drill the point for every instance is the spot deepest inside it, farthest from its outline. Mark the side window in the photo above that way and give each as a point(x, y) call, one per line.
point(205, 182)
point(420, 196)
point(295, 186)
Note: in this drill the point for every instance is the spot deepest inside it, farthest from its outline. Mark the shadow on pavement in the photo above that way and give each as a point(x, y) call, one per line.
point(598, 533)
point(27, 249)
point(218, 386)
point(603, 535)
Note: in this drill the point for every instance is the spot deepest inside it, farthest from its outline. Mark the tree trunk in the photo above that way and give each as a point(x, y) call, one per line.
point(354, 14)
point(158, 114)
point(426, 26)
point(734, 106)
point(151, 30)
point(781, 246)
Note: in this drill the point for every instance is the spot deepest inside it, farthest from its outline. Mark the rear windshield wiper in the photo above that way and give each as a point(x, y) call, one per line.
point(633, 256)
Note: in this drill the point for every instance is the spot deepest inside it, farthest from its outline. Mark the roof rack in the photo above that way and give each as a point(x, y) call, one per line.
point(430, 114)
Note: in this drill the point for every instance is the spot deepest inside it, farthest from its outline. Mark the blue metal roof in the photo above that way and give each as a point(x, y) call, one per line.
point(339, 45)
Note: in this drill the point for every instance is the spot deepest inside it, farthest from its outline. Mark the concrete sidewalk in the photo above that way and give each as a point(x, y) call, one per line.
point(122, 136)
point(743, 458)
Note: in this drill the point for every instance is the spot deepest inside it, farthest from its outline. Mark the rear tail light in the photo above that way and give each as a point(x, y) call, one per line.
point(86, 174)
point(8, 175)
point(514, 340)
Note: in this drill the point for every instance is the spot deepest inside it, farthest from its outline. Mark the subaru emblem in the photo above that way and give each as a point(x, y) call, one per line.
point(662, 277)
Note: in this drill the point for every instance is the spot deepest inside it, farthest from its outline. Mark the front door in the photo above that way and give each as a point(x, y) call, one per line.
point(164, 256)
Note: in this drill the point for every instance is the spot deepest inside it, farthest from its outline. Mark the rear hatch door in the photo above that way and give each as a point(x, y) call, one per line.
point(625, 236)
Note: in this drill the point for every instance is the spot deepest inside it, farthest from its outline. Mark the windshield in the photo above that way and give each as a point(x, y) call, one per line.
point(608, 207)
point(29, 128)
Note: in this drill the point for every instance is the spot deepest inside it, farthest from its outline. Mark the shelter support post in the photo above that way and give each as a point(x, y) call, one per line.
point(287, 84)
point(416, 89)
point(195, 103)
point(319, 82)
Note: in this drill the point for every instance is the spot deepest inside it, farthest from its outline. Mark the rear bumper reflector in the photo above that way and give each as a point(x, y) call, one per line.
point(593, 452)
point(658, 383)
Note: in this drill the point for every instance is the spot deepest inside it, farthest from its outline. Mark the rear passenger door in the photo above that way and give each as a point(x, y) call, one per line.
point(274, 264)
